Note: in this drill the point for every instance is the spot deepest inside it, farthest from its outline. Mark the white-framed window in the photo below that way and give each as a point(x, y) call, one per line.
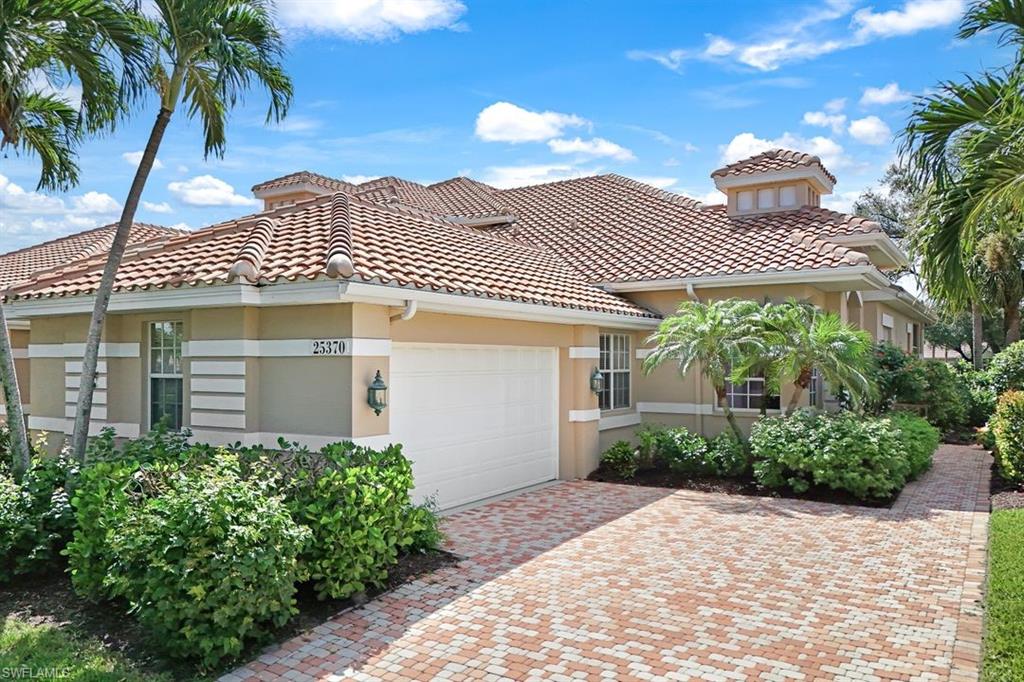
point(166, 380)
point(787, 196)
point(749, 395)
point(614, 364)
point(766, 198)
point(745, 200)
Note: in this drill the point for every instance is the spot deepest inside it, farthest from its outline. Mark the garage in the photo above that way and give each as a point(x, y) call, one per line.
point(476, 421)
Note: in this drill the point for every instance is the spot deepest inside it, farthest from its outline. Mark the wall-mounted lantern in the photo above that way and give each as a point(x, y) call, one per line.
point(377, 394)
point(596, 381)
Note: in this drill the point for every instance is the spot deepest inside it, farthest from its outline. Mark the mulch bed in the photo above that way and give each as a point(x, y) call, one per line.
point(50, 600)
point(659, 478)
point(1005, 495)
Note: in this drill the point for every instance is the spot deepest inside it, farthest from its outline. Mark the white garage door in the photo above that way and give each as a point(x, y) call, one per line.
point(476, 421)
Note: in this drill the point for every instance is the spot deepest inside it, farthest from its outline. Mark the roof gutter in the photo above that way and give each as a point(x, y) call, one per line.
point(868, 273)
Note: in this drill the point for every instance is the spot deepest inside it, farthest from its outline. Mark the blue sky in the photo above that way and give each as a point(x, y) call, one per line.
point(520, 92)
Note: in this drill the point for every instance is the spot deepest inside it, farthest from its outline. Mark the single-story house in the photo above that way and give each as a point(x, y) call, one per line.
point(484, 311)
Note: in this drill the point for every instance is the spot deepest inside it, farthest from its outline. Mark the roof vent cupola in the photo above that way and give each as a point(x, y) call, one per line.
point(775, 180)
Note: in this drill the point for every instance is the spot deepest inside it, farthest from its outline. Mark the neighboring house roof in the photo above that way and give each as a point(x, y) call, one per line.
point(304, 178)
point(19, 266)
point(388, 245)
point(772, 160)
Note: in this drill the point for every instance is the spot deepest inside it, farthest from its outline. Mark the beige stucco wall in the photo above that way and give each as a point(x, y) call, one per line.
point(19, 344)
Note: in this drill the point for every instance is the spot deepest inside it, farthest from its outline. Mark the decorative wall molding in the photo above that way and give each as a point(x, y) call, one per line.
point(584, 352)
point(617, 421)
point(643, 353)
point(585, 415)
point(218, 367)
point(77, 350)
point(280, 348)
point(675, 408)
point(58, 425)
point(269, 440)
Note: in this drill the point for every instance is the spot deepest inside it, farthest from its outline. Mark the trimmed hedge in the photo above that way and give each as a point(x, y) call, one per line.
point(861, 456)
point(919, 440)
point(679, 451)
point(1007, 427)
point(1006, 371)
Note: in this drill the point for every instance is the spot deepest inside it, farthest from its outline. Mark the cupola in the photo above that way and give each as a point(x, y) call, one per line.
point(775, 180)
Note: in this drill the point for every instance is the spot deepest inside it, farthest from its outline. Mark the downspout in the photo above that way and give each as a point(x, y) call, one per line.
point(408, 313)
point(691, 292)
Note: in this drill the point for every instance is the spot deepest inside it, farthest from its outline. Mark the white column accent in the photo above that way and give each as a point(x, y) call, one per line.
point(584, 352)
point(642, 353)
point(617, 421)
point(585, 415)
point(675, 408)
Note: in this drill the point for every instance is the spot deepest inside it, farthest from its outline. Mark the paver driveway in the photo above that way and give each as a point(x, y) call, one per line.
point(599, 581)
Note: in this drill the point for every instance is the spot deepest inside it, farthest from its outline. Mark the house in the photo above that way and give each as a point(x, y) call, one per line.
point(20, 266)
point(484, 311)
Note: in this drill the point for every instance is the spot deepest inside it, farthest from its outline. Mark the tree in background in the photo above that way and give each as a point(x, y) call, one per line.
point(45, 44)
point(205, 55)
point(897, 209)
point(954, 330)
point(715, 337)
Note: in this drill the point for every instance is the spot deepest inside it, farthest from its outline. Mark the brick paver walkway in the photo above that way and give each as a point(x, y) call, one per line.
point(600, 581)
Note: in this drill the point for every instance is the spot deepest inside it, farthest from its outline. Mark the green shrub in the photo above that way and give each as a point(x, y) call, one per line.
point(981, 402)
point(727, 455)
point(355, 501)
point(985, 437)
point(842, 451)
point(897, 377)
point(422, 528)
point(947, 395)
point(206, 559)
point(1008, 428)
point(1006, 371)
point(621, 460)
point(36, 519)
point(685, 453)
point(919, 440)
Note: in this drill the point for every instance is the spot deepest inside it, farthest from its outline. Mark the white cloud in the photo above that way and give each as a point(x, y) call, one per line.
point(661, 182)
point(162, 207)
point(135, 158)
point(28, 217)
point(834, 106)
point(870, 130)
point(914, 16)
point(837, 122)
point(359, 179)
point(370, 19)
point(709, 198)
point(597, 146)
point(296, 123)
point(180, 226)
point(518, 176)
point(506, 122)
point(747, 144)
point(841, 201)
point(887, 94)
point(206, 190)
point(819, 31)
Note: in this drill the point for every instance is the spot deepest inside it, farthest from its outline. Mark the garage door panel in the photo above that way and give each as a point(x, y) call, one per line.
point(476, 421)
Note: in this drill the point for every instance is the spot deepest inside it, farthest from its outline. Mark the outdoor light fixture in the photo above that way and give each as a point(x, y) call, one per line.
point(597, 381)
point(377, 394)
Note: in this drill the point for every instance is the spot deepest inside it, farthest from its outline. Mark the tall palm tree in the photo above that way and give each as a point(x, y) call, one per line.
point(811, 339)
point(44, 43)
point(964, 145)
point(206, 54)
point(713, 336)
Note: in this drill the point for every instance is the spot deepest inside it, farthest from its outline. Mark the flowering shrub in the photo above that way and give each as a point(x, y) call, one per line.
point(1007, 427)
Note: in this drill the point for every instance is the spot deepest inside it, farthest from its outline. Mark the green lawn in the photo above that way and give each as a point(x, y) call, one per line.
point(46, 652)
point(1004, 613)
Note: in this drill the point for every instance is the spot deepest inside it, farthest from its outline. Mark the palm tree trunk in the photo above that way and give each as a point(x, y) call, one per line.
point(801, 384)
point(730, 418)
point(83, 409)
point(976, 334)
point(1011, 314)
point(12, 398)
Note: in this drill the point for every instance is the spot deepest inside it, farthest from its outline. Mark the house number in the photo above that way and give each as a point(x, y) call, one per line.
point(330, 347)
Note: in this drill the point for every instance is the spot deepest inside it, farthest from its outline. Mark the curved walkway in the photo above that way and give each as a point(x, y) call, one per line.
point(599, 581)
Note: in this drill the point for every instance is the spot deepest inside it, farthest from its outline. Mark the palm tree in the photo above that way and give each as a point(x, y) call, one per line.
point(206, 54)
point(964, 147)
point(764, 362)
point(715, 336)
point(811, 339)
point(44, 43)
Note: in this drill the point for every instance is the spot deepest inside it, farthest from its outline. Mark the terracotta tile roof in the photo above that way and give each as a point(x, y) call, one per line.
point(613, 229)
point(306, 177)
point(772, 160)
point(19, 266)
point(388, 245)
point(469, 198)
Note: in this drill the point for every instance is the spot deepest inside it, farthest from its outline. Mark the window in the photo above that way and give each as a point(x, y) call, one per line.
point(165, 376)
point(787, 196)
point(749, 394)
point(614, 364)
point(745, 201)
point(766, 198)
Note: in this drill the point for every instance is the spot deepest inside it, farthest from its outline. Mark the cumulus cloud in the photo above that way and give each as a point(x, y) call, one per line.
point(517, 176)
point(506, 122)
point(594, 147)
point(206, 190)
point(659, 181)
point(837, 122)
point(92, 203)
point(747, 144)
point(371, 19)
point(887, 94)
point(821, 29)
point(28, 217)
point(359, 179)
point(162, 207)
point(135, 158)
point(870, 130)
